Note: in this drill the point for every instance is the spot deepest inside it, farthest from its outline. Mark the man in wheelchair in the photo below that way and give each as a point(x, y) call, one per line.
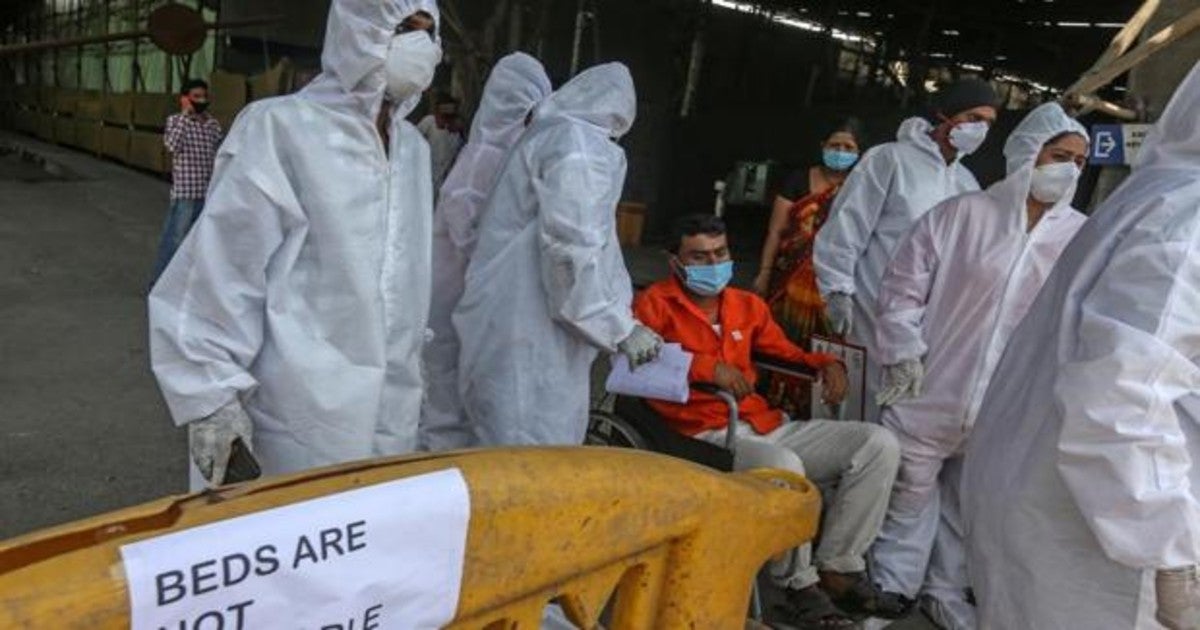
point(722, 327)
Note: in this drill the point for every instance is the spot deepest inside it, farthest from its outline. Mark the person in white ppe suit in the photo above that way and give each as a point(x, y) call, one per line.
point(517, 84)
point(957, 286)
point(888, 190)
point(1081, 476)
point(293, 316)
point(546, 288)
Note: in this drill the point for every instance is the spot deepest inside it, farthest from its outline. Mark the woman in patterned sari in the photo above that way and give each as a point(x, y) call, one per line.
point(786, 279)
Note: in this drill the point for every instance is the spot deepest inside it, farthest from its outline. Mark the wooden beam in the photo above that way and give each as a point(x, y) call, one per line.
point(1124, 39)
point(1102, 77)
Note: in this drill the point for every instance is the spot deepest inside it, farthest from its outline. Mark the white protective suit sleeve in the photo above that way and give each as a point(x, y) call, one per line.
point(845, 236)
point(219, 305)
point(1122, 451)
point(573, 236)
point(904, 293)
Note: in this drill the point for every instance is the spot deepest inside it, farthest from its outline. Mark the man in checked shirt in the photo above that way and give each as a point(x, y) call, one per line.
point(192, 136)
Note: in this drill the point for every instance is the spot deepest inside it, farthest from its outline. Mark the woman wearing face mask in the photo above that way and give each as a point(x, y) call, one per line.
point(955, 290)
point(786, 279)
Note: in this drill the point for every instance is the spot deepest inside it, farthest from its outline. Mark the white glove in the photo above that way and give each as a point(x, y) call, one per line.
point(641, 346)
point(211, 440)
point(900, 381)
point(839, 309)
point(1178, 594)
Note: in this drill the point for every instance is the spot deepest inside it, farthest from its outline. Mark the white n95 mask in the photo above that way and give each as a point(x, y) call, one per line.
point(411, 61)
point(968, 137)
point(1051, 182)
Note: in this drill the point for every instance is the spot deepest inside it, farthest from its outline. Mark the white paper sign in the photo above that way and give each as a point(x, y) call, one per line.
point(665, 378)
point(381, 557)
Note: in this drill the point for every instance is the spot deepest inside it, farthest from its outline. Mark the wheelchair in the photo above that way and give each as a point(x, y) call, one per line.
point(628, 422)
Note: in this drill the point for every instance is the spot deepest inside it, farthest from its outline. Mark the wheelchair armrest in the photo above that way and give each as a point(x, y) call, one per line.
point(731, 403)
point(787, 368)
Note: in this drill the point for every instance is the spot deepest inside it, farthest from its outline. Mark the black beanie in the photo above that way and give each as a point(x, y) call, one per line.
point(960, 96)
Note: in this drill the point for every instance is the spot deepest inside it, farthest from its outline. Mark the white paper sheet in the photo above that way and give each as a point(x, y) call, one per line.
point(365, 558)
point(665, 378)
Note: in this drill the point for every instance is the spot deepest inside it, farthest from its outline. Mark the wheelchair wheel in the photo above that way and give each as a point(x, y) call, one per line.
point(606, 429)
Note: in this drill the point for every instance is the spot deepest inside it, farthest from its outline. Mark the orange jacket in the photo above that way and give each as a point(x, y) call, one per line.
point(746, 327)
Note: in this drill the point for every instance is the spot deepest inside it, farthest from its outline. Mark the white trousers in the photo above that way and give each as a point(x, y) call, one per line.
point(858, 460)
point(920, 550)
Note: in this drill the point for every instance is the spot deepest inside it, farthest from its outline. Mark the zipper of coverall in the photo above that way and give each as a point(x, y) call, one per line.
point(974, 402)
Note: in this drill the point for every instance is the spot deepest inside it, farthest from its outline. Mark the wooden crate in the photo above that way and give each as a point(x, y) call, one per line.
point(89, 135)
point(66, 101)
point(225, 117)
point(631, 219)
point(118, 109)
point(115, 143)
point(146, 150)
point(151, 110)
point(90, 109)
point(44, 126)
point(26, 120)
point(47, 97)
point(64, 130)
point(227, 90)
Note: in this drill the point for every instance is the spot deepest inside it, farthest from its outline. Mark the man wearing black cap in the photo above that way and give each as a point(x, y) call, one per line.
point(889, 189)
point(892, 186)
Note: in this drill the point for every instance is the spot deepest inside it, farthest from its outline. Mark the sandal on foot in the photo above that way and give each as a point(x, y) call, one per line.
point(862, 598)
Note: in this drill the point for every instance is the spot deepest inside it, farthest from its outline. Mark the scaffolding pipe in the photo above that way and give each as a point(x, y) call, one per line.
point(577, 44)
point(31, 47)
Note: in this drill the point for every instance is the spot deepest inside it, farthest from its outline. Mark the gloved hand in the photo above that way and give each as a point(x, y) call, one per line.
point(1178, 594)
point(900, 381)
point(641, 346)
point(211, 440)
point(839, 309)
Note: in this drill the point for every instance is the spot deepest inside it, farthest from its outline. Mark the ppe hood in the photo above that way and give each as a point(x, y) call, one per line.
point(1020, 154)
point(357, 36)
point(517, 84)
point(603, 96)
point(1175, 140)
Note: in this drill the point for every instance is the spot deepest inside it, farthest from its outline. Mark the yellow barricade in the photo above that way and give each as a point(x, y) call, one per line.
point(670, 544)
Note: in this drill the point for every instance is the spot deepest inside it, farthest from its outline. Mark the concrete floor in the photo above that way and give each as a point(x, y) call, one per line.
point(82, 427)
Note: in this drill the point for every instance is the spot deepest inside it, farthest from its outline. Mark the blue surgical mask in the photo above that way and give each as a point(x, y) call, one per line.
point(838, 160)
point(708, 280)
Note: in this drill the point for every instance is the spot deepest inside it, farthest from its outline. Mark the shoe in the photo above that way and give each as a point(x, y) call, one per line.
point(856, 595)
point(809, 608)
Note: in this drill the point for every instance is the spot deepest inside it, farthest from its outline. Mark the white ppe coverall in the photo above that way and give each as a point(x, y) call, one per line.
point(957, 287)
point(891, 187)
point(303, 289)
point(547, 286)
point(517, 84)
point(1081, 475)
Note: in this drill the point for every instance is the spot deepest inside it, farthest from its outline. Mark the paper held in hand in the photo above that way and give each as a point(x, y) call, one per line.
point(665, 378)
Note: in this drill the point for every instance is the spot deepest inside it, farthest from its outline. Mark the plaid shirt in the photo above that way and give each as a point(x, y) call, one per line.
point(192, 141)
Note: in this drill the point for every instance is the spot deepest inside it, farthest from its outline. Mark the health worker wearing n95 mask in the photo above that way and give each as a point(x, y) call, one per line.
point(957, 286)
point(293, 316)
point(516, 86)
point(1081, 476)
point(891, 187)
point(547, 289)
